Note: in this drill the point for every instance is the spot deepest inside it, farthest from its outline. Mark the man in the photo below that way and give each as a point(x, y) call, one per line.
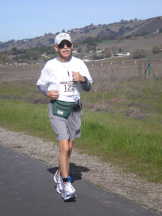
point(61, 80)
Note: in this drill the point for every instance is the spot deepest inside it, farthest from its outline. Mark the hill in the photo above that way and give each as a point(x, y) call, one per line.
point(92, 40)
point(113, 31)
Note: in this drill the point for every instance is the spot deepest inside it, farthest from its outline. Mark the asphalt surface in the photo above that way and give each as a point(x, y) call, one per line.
point(27, 188)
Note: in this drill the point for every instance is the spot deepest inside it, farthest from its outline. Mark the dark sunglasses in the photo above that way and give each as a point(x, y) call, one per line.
point(63, 43)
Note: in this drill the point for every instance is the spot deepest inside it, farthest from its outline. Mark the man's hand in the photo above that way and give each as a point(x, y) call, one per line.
point(53, 94)
point(77, 77)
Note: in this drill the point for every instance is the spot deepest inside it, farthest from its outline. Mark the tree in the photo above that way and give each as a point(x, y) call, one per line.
point(107, 52)
point(139, 53)
point(156, 50)
point(79, 49)
point(3, 58)
point(14, 51)
point(91, 46)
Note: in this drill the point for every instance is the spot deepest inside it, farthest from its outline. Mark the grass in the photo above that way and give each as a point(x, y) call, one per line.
point(134, 144)
point(146, 95)
point(21, 116)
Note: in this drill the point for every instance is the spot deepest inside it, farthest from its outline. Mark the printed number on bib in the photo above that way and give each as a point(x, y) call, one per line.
point(69, 87)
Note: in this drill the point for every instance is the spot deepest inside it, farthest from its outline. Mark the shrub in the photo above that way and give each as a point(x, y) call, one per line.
point(139, 53)
point(156, 50)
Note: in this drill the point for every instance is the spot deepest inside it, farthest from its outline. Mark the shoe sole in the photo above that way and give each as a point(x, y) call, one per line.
point(58, 190)
point(56, 182)
point(55, 178)
point(71, 196)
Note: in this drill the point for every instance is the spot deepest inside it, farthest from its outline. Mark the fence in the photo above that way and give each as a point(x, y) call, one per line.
point(106, 74)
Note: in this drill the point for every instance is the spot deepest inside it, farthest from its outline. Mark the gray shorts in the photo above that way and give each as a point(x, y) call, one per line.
point(65, 129)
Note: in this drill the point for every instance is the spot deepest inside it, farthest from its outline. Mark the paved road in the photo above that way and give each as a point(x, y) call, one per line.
point(27, 189)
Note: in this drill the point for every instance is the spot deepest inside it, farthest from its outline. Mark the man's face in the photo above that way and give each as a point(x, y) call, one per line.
point(64, 50)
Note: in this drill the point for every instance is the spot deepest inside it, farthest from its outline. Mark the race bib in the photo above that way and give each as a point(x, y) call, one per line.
point(67, 87)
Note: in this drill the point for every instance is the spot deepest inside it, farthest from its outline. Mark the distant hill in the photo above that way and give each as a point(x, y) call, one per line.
point(125, 29)
point(132, 38)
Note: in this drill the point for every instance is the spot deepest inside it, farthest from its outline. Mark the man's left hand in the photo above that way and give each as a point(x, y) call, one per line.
point(77, 77)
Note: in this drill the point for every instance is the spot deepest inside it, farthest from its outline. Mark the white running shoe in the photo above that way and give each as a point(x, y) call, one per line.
point(68, 191)
point(58, 181)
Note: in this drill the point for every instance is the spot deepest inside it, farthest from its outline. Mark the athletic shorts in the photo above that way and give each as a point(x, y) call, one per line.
point(65, 129)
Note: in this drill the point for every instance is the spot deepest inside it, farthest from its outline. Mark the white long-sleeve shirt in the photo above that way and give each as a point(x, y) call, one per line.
point(57, 75)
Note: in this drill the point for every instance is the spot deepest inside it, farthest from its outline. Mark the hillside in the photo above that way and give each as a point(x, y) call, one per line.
point(113, 31)
point(92, 41)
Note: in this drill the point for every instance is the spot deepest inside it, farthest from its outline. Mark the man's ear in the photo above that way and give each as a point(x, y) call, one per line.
point(55, 48)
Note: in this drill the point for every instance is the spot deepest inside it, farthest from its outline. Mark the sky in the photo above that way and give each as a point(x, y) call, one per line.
point(24, 19)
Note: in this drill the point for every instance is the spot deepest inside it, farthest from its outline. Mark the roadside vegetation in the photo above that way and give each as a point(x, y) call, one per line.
point(122, 125)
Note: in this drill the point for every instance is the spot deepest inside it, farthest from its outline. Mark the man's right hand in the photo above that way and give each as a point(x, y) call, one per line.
point(53, 94)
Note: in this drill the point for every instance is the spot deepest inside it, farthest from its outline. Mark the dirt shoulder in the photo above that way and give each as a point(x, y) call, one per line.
point(103, 174)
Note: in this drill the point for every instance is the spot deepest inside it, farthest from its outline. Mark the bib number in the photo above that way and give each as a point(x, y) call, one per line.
point(69, 87)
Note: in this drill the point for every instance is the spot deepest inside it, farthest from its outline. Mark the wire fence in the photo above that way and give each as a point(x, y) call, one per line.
point(106, 74)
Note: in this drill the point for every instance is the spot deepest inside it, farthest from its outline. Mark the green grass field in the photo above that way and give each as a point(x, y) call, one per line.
point(126, 140)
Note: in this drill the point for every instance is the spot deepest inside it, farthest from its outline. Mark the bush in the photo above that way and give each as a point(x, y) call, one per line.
point(3, 58)
point(139, 53)
point(156, 50)
point(107, 52)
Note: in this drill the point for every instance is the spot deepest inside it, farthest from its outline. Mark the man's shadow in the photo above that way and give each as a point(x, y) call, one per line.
point(75, 171)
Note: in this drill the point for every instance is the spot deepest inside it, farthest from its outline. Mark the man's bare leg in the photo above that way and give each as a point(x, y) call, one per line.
point(67, 190)
point(65, 149)
point(71, 145)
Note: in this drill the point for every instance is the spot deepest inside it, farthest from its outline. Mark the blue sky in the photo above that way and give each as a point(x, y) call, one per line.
point(22, 19)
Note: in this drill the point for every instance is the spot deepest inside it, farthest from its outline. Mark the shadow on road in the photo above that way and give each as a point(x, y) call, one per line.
point(76, 171)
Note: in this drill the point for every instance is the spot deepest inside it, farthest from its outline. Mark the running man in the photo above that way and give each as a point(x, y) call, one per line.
point(62, 79)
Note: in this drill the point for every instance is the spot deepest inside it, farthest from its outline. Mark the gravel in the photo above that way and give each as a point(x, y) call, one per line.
point(103, 174)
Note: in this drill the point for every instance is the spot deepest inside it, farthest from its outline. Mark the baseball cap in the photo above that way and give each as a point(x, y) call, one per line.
point(62, 36)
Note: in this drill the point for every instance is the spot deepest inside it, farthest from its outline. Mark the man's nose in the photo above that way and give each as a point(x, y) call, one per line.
point(65, 46)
